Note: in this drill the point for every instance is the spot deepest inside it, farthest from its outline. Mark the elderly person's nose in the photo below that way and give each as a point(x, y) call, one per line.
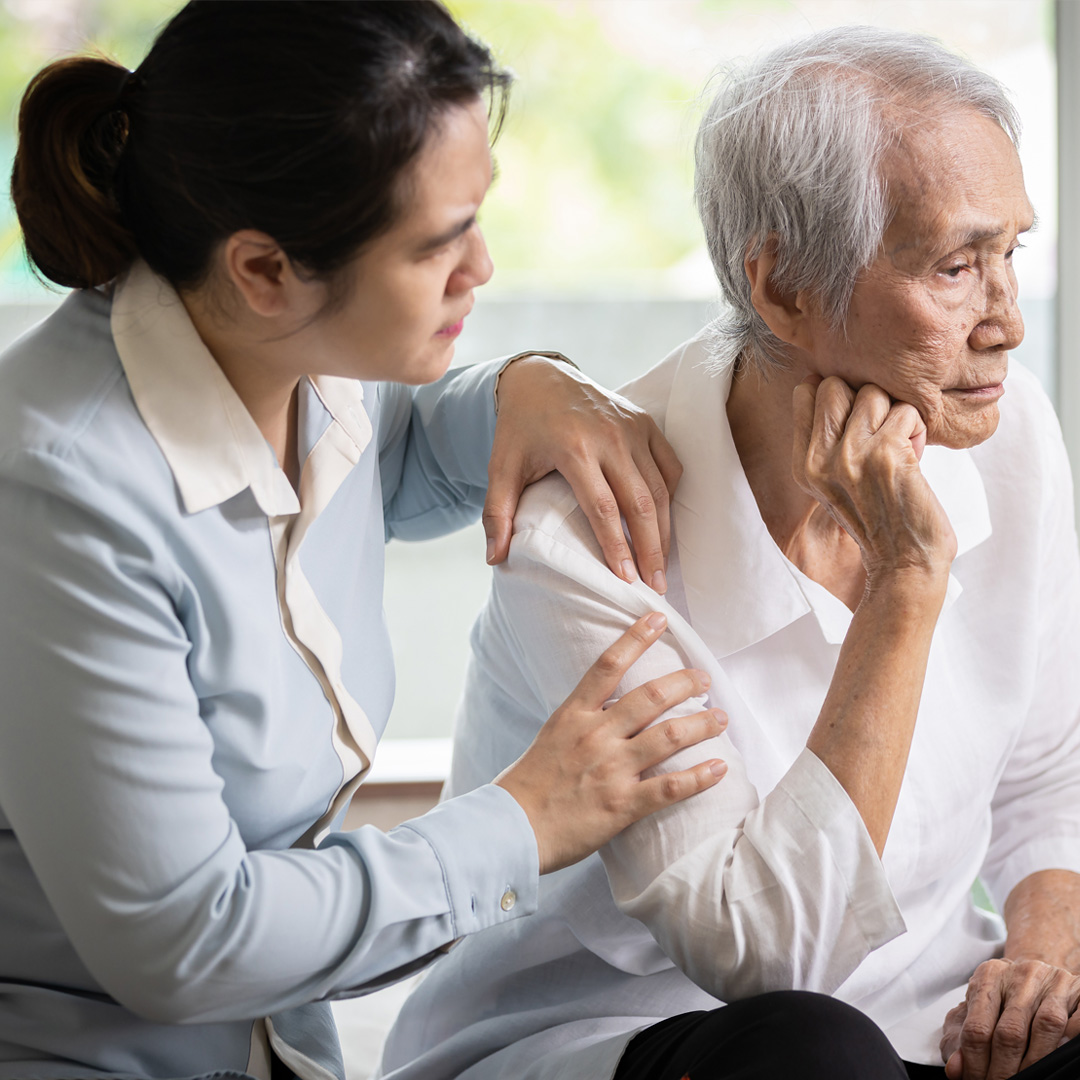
point(1002, 325)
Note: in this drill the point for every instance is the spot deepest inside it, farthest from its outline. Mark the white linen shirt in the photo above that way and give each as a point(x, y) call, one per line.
point(195, 673)
point(769, 880)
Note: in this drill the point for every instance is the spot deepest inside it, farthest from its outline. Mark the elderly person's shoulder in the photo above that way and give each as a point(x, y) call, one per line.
point(549, 506)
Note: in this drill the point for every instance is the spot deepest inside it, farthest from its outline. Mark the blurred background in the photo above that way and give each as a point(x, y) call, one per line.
point(591, 224)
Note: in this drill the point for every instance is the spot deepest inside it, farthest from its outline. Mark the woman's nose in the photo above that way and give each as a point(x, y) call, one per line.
point(475, 267)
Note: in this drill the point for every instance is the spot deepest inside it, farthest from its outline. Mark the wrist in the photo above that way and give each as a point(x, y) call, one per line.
point(913, 587)
point(526, 359)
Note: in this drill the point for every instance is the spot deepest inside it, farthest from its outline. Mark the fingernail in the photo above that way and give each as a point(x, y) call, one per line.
point(721, 717)
point(704, 679)
point(628, 570)
point(657, 621)
point(659, 582)
point(490, 549)
point(718, 768)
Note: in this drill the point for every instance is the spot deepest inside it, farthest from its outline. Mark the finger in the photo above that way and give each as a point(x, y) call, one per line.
point(660, 791)
point(954, 1067)
point(599, 682)
point(905, 425)
point(661, 497)
point(802, 405)
point(636, 500)
point(832, 407)
point(666, 459)
point(505, 484)
point(1011, 1035)
point(641, 706)
point(601, 507)
point(658, 743)
point(984, 1000)
point(869, 411)
point(1047, 1029)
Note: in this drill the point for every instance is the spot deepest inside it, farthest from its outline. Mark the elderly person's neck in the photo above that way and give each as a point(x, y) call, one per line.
point(762, 427)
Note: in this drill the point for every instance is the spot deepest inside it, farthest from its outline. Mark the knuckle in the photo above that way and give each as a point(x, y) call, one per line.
point(654, 694)
point(605, 506)
point(977, 1031)
point(1011, 1033)
point(610, 663)
point(674, 732)
point(642, 505)
point(670, 788)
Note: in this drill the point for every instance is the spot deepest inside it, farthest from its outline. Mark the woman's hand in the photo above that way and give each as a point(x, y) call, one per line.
point(580, 780)
point(1016, 1013)
point(858, 455)
point(610, 452)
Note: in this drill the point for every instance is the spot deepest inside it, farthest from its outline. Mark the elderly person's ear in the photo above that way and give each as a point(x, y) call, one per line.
point(786, 314)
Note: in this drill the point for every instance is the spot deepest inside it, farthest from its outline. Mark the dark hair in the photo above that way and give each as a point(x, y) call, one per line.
point(295, 117)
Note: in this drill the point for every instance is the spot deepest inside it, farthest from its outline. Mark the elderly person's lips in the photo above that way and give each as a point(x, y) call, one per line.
point(984, 391)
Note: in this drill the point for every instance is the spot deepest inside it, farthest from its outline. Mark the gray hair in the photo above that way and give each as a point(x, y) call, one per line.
point(791, 150)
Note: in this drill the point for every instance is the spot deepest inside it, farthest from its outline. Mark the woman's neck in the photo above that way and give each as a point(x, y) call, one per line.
point(268, 389)
point(762, 427)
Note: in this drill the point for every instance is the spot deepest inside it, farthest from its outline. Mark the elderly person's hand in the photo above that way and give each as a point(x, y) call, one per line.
point(1016, 1012)
point(858, 455)
point(610, 452)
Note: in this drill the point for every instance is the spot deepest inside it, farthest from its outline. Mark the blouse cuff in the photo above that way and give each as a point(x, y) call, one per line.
point(828, 812)
point(487, 850)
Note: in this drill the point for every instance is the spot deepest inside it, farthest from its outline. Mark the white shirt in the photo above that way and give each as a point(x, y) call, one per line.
point(769, 880)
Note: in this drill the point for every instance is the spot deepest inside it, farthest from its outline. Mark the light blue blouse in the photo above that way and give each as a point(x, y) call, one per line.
point(195, 671)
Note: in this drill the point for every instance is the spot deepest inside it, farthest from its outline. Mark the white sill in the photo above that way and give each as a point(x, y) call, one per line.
point(411, 761)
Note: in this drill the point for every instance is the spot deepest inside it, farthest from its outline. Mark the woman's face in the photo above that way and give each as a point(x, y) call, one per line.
point(933, 318)
point(411, 288)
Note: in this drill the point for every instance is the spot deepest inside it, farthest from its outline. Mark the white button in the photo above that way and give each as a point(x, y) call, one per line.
point(509, 899)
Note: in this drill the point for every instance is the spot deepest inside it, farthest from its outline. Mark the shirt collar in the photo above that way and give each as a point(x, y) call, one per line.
point(210, 441)
point(740, 589)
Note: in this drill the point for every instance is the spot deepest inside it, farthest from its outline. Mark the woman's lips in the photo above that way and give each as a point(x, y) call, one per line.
point(451, 331)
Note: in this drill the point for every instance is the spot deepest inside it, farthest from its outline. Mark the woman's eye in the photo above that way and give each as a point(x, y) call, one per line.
point(955, 271)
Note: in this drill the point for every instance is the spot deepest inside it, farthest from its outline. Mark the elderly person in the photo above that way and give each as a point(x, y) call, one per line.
point(892, 633)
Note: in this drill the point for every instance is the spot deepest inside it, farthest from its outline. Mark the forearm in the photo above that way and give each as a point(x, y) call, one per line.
point(1042, 914)
point(863, 733)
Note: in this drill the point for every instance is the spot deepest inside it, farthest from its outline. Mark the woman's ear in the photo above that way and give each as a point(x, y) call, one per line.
point(261, 272)
point(787, 315)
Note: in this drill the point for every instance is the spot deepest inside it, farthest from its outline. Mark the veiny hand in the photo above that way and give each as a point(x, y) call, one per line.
point(1016, 1013)
point(610, 452)
point(858, 455)
point(580, 780)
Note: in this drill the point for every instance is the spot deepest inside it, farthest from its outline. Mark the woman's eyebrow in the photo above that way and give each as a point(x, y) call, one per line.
point(444, 238)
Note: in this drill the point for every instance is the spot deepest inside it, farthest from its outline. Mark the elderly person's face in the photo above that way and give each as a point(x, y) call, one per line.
point(933, 318)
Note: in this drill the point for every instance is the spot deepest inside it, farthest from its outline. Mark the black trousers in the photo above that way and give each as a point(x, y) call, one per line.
point(789, 1035)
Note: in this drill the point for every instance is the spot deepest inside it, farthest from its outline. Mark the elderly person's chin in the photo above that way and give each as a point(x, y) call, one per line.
point(966, 418)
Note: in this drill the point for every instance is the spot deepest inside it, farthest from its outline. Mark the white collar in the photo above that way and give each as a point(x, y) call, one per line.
point(210, 441)
point(739, 587)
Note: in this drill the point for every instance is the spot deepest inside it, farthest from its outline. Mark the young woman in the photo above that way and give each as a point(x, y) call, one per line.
point(270, 228)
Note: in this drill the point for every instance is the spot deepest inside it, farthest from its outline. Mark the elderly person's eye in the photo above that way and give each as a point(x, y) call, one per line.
point(955, 271)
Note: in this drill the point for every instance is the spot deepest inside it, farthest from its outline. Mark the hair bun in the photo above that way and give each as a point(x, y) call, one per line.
point(71, 135)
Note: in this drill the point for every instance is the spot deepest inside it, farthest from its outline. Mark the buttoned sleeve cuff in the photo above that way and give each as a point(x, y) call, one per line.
point(487, 850)
point(823, 809)
point(1060, 852)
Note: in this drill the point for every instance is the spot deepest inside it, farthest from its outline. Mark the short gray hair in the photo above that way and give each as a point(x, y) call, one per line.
point(791, 147)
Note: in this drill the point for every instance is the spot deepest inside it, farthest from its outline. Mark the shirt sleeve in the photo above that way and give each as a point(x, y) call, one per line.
point(434, 447)
point(1036, 807)
point(745, 891)
point(107, 780)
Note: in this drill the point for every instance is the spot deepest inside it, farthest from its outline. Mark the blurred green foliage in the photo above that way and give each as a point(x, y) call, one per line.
point(595, 158)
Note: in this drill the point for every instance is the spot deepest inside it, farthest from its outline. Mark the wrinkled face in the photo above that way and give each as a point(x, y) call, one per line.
point(412, 287)
point(933, 318)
